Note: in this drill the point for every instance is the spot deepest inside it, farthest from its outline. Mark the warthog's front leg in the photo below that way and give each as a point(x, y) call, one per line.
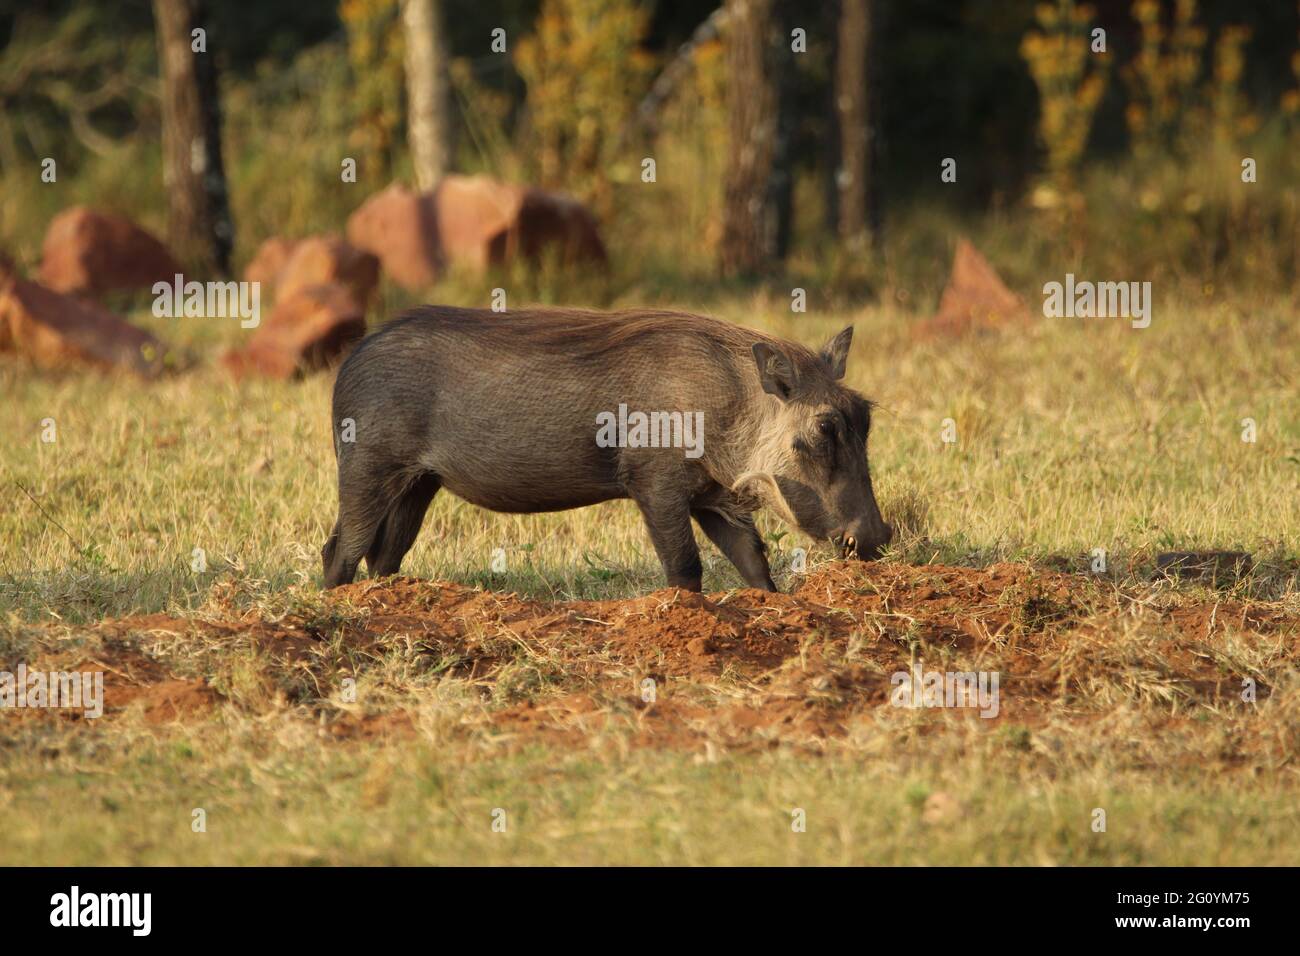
point(741, 544)
point(667, 514)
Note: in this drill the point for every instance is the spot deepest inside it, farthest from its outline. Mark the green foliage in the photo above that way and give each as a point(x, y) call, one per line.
point(585, 70)
point(375, 48)
point(290, 120)
point(1071, 80)
point(287, 133)
point(1163, 76)
point(72, 88)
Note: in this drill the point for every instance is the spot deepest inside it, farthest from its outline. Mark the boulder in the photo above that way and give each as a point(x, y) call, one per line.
point(975, 299)
point(554, 219)
point(472, 222)
point(473, 216)
point(322, 260)
point(88, 252)
point(56, 330)
point(482, 222)
point(397, 226)
point(268, 261)
point(307, 330)
point(283, 266)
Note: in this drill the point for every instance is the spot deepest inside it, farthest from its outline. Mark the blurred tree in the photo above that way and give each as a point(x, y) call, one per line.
point(376, 45)
point(585, 73)
point(198, 221)
point(71, 86)
point(1291, 98)
point(857, 213)
point(678, 69)
point(1162, 77)
point(1230, 115)
point(749, 227)
point(781, 182)
point(428, 103)
point(1071, 81)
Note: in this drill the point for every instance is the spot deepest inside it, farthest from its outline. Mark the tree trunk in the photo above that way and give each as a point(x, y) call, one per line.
point(199, 228)
point(828, 153)
point(852, 105)
point(781, 184)
point(427, 91)
point(748, 217)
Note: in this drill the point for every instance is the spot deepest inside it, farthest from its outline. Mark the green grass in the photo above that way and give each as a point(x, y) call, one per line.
point(1071, 436)
point(278, 798)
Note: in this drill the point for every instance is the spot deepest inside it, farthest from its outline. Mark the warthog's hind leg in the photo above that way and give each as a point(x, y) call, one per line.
point(400, 527)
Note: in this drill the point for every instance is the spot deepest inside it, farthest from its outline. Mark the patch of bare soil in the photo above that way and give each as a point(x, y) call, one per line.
point(741, 668)
point(132, 680)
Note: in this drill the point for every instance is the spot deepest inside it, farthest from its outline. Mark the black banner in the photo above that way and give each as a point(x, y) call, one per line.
point(335, 905)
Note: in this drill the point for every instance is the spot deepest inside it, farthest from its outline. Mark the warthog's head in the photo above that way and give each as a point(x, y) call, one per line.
point(809, 453)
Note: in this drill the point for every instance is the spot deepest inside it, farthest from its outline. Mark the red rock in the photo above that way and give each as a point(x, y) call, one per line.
point(975, 299)
point(308, 330)
point(268, 261)
point(283, 266)
point(482, 222)
point(397, 226)
point(53, 330)
point(556, 219)
point(473, 222)
point(472, 214)
point(87, 252)
point(321, 260)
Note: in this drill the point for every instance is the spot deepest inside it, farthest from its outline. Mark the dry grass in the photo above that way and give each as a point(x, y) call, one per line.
point(1120, 691)
point(469, 702)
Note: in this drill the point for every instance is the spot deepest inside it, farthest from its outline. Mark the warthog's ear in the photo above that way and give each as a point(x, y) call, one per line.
point(775, 370)
point(836, 352)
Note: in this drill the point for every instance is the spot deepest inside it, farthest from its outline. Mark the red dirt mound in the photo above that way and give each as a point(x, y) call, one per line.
point(740, 668)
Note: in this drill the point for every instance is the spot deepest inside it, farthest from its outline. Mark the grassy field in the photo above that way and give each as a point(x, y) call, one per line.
point(1072, 435)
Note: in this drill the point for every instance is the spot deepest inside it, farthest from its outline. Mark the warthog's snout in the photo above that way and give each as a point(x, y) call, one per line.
point(865, 540)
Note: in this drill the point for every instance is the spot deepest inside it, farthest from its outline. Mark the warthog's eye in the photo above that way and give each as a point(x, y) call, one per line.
point(826, 427)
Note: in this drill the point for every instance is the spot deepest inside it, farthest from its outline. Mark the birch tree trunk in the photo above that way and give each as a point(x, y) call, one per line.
point(428, 91)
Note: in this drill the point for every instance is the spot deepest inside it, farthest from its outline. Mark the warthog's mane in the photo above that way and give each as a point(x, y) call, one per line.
point(592, 332)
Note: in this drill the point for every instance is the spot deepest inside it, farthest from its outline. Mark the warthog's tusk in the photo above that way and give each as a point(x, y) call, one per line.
point(773, 498)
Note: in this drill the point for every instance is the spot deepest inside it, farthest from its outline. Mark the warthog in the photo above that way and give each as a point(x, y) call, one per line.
point(520, 412)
